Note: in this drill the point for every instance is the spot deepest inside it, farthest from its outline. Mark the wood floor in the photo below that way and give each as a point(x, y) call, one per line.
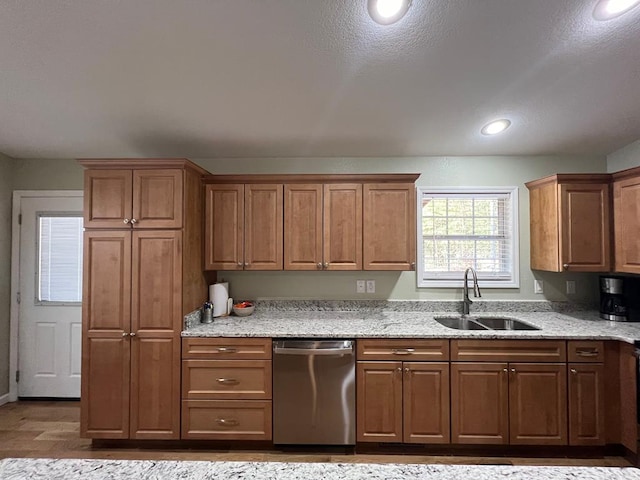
point(50, 430)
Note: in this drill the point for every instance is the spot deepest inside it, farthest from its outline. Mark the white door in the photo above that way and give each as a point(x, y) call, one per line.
point(50, 292)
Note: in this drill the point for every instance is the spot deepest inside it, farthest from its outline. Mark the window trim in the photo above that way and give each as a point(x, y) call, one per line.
point(513, 193)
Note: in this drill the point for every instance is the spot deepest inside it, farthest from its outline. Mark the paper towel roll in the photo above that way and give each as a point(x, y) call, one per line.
point(219, 295)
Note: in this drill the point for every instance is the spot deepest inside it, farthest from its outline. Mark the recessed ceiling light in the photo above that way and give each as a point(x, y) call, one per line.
point(386, 12)
point(607, 9)
point(495, 127)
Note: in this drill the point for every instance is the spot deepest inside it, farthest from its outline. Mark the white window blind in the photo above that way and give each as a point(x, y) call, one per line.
point(460, 228)
point(59, 259)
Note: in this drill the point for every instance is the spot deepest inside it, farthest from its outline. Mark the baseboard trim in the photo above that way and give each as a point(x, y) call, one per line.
point(4, 399)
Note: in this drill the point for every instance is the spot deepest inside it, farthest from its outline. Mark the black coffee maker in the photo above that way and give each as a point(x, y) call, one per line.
point(613, 303)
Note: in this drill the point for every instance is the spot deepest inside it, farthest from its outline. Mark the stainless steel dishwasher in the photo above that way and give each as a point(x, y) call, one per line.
point(314, 392)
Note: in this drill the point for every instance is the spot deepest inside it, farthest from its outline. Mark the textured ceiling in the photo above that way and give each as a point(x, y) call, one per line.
point(265, 78)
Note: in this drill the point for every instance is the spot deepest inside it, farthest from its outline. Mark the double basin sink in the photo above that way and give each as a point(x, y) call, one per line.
point(484, 323)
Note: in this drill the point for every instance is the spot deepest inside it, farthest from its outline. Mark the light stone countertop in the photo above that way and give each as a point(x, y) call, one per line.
point(410, 324)
point(71, 469)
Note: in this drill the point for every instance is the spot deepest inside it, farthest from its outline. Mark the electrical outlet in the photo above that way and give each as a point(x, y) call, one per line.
point(360, 286)
point(538, 286)
point(571, 287)
point(371, 286)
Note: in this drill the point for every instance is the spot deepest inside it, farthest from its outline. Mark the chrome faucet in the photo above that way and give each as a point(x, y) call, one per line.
point(465, 291)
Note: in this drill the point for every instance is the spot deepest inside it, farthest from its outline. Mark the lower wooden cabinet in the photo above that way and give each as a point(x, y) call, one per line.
point(226, 419)
point(226, 389)
point(403, 402)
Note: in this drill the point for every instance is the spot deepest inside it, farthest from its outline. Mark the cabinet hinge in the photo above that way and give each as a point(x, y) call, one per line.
point(18, 297)
point(19, 219)
point(17, 376)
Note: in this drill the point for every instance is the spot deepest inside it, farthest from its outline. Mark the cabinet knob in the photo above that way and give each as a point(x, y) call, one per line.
point(574, 371)
point(413, 265)
point(319, 265)
point(246, 264)
point(406, 369)
point(126, 220)
point(399, 369)
point(505, 370)
point(513, 370)
point(325, 265)
point(240, 264)
point(227, 422)
point(565, 266)
point(133, 220)
point(132, 334)
point(125, 334)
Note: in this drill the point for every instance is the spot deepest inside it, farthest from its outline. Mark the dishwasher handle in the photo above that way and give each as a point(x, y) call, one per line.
point(346, 348)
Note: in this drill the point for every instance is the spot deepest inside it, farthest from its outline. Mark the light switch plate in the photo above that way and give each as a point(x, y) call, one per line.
point(360, 286)
point(538, 286)
point(371, 286)
point(571, 287)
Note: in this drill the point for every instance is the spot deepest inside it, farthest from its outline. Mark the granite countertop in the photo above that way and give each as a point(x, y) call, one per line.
point(402, 323)
point(71, 469)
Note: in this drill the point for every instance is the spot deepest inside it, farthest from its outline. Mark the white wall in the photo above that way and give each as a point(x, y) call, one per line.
point(626, 157)
point(5, 269)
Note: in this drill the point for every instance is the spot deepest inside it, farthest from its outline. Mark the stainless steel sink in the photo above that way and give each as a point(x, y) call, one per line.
point(460, 323)
point(484, 323)
point(504, 323)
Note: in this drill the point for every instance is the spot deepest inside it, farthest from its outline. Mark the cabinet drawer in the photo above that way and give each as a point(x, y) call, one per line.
point(591, 351)
point(225, 379)
point(227, 348)
point(226, 420)
point(508, 350)
point(399, 349)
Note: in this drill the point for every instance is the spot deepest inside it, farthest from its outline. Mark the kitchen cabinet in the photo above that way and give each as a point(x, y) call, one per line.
point(310, 222)
point(133, 198)
point(226, 389)
point(497, 398)
point(570, 223)
point(137, 286)
point(323, 226)
point(586, 393)
point(402, 401)
point(243, 225)
point(389, 226)
point(626, 212)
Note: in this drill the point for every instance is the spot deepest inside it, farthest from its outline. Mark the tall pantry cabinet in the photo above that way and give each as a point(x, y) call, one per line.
point(140, 218)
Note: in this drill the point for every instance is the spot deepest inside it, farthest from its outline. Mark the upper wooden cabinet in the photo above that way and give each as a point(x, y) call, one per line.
point(626, 211)
point(389, 226)
point(315, 222)
point(243, 225)
point(136, 193)
point(323, 226)
point(570, 223)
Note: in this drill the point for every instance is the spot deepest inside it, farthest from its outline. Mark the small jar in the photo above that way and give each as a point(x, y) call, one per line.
point(207, 312)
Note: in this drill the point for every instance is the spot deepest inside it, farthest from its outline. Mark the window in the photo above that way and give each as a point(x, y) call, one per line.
point(59, 259)
point(470, 227)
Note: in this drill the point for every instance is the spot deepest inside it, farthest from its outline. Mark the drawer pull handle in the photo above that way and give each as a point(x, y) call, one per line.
point(227, 381)
point(227, 350)
point(587, 353)
point(403, 351)
point(227, 422)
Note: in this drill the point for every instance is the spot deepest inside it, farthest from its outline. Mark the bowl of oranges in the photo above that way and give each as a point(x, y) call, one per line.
point(243, 309)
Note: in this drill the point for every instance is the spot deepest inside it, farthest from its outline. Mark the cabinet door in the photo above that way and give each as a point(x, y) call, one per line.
point(303, 227)
point(479, 403)
point(586, 404)
point(224, 227)
point(106, 311)
point(379, 402)
point(107, 198)
point(263, 227)
point(426, 402)
point(544, 225)
point(342, 232)
point(626, 208)
point(585, 227)
point(538, 404)
point(389, 226)
point(156, 322)
point(157, 198)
